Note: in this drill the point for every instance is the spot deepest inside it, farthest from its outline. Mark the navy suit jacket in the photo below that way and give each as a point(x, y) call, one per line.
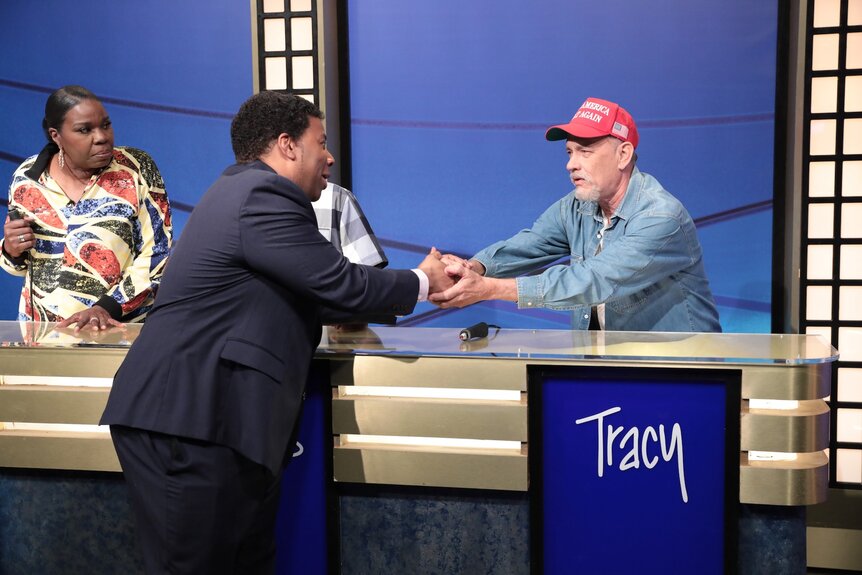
point(224, 354)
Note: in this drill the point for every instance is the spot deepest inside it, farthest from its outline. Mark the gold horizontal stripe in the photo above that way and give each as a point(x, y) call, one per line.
point(416, 466)
point(53, 450)
point(431, 372)
point(52, 404)
point(799, 482)
point(803, 429)
point(430, 418)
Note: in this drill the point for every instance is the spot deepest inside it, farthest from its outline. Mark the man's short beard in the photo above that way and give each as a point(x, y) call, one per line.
point(587, 195)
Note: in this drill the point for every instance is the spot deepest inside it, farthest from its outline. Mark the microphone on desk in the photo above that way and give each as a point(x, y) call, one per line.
point(476, 331)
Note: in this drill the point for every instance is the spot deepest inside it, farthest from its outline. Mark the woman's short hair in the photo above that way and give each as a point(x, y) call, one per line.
point(59, 103)
point(263, 118)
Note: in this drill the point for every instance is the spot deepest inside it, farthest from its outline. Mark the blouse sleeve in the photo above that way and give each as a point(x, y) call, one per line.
point(152, 243)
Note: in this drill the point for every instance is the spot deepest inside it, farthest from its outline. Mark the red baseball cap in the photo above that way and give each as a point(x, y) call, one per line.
point(596, 118)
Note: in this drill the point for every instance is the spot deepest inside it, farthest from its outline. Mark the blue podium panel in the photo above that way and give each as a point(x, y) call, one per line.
point(301, 527)
point(634, 471)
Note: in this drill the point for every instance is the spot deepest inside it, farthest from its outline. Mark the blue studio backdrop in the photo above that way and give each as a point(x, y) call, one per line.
point(449, 103)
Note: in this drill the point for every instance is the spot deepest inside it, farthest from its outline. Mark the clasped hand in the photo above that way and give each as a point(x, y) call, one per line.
point(454, 281)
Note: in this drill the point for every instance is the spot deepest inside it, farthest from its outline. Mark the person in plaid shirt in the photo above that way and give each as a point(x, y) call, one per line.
point(341, 221)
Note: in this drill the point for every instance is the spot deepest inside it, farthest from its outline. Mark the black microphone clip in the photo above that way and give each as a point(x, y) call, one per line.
point(476, 331)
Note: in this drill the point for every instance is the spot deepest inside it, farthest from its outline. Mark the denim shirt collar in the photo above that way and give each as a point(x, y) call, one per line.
point(630, 201)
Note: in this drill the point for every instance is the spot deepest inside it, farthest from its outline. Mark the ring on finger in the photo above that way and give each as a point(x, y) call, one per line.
point(20, 238)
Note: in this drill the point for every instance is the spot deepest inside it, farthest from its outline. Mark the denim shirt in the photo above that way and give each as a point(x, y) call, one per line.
point(649, 274)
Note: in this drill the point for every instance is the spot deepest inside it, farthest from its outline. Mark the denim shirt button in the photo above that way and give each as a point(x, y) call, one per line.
point(586, 316)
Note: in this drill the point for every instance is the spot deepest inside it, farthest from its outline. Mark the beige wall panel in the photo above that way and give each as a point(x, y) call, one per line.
point(55, 362)
point(803, 429)
point(42, 404)
point(441, 469)
point(831, 548)
point(432, 372)
point(797, 382)
point(47, 450)
point(430, 418)
point(799, 482)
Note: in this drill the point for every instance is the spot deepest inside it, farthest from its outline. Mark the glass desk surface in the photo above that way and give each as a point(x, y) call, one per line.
point(560, 345)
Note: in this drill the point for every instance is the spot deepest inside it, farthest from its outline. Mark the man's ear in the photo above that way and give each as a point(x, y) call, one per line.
point(286, 146)
point(625, 155)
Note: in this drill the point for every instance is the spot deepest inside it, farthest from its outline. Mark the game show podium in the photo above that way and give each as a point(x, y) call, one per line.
point(530, 450)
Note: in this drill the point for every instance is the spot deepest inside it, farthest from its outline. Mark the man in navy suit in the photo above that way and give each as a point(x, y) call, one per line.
point(204, 405)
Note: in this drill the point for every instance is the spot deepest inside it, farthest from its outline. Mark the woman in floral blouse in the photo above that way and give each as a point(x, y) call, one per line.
point(89, 224)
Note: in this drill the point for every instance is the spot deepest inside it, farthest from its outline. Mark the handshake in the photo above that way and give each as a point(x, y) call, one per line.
point(456, 282)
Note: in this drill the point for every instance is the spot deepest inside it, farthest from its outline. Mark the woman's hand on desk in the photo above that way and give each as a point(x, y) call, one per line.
point(95, 318)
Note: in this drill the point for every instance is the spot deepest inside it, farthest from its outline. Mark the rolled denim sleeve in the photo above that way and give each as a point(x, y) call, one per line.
point(544, 243)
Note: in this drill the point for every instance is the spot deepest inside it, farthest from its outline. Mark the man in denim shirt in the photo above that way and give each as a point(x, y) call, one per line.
point(635, 261)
